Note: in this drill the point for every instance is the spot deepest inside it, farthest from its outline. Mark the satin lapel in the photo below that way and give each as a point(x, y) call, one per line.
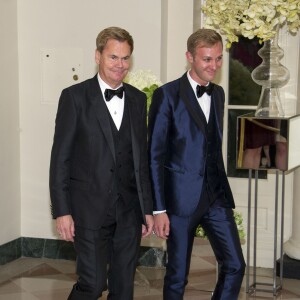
point(216, 101)
point(134, 125)
point(102, 112)
point(193, 107)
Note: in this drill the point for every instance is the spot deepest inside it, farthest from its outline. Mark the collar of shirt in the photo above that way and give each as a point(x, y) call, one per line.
point(203, 101)
point(115, 106)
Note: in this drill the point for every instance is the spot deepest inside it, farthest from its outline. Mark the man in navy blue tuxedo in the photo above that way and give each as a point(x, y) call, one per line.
point(99, 173)
point(189, 182)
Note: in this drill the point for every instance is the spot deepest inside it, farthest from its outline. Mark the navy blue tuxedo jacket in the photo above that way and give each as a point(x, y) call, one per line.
point(83, 155)
point(178, 147)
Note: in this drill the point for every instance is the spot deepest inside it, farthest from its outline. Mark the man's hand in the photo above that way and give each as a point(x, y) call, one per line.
point(146, 230)
point(162, 225)
point(65, 228)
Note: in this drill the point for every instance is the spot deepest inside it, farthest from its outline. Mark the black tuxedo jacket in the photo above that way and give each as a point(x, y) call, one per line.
point(83, 155)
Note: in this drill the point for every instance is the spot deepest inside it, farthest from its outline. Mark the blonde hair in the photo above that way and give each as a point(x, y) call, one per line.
point(204, 38)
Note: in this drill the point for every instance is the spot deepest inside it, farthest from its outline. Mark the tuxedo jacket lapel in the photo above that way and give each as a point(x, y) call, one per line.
point(193, 107)
point(134, 124)
point(102, 112)
point(219, 108)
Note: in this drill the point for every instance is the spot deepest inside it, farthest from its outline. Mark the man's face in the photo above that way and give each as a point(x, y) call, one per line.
point(114, 62)
point(205, 63)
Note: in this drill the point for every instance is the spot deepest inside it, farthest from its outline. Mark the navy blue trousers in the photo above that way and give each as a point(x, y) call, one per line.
point(219, 224)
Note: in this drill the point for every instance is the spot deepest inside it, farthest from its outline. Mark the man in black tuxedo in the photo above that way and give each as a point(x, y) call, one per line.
point(99, 178)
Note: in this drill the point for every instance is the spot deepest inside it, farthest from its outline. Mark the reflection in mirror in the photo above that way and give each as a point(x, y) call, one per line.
point(232, 170)
point(243, 58)
point(262, 143)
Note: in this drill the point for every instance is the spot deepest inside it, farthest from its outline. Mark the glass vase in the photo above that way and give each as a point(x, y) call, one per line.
point(271, 75)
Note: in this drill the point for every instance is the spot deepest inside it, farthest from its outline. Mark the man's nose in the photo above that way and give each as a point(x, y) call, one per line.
point(214, 64)
point(120, 63)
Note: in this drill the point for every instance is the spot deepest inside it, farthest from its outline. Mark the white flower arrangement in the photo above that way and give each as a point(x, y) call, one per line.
point(239, 223)
point(251, 18)
point(145, 81)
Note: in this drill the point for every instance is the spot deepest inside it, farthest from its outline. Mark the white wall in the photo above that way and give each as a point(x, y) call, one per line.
point(67, 25)
point(71, 27)
point(177, 25)
point(10, 209)
point(159, 29)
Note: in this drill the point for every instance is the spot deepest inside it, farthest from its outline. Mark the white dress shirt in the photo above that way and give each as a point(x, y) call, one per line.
point(115, 105)
point(204, 101)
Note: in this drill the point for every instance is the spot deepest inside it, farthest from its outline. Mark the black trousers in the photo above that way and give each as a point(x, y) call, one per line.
point(107, 258)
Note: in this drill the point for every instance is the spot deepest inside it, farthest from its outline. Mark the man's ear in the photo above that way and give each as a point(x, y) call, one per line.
point(97, 57)
point(189, 57)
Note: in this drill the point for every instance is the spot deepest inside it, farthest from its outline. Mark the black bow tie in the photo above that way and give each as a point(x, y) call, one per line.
point(204, 89)
point(110, 93)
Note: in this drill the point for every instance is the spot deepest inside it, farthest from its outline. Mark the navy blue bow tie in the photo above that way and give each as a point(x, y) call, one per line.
point(204, 89)
point(110, 93)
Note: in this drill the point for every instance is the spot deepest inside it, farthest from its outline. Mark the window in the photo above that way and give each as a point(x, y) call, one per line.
point(243, 95)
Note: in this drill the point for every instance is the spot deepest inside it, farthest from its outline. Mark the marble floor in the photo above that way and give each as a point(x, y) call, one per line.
point(47, 279)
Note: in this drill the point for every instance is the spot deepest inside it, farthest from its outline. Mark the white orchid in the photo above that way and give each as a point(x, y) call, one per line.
point(145, 81)
point(251, 18)
point(142, 79)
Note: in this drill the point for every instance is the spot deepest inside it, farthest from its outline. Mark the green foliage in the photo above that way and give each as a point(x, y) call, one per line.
point(243, 91)
point(239, 223)
point(149, 92)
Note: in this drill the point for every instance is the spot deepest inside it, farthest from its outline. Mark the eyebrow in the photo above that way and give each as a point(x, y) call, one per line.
point(207, 56)
point(114, 55)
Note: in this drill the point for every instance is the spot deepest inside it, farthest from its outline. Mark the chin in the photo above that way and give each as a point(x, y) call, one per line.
point(119, 78)
point(211, 77)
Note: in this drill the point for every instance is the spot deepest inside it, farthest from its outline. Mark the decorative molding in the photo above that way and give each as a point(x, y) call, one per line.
point(10, 251)
point(58, 249)
point(290, 268)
